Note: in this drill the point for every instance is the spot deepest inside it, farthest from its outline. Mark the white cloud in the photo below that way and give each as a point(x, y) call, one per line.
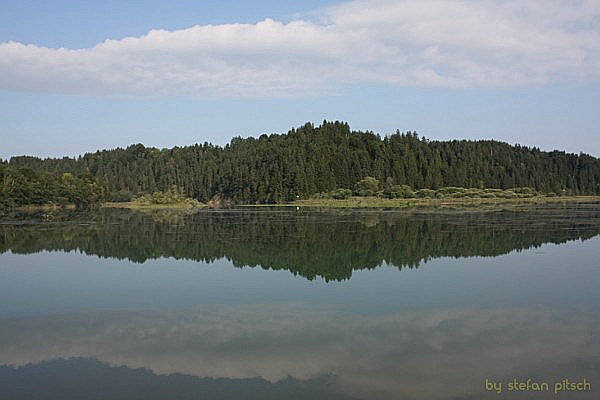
point(463, 43)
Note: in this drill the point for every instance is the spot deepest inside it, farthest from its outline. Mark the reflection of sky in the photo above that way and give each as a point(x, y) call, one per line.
point(53, 282)
point(434, 332)
point(426, 354)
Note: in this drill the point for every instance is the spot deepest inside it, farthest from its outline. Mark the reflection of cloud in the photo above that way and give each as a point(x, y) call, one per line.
point(427, 42)
point(428, 354)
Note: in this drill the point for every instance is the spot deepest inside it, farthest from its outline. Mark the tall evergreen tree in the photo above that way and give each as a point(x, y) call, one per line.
point(309, 160)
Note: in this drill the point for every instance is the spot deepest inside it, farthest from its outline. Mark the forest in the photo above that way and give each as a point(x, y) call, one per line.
point(304, 162)
point(24, 186)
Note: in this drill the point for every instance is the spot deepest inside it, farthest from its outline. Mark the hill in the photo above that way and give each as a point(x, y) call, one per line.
point(314, 159)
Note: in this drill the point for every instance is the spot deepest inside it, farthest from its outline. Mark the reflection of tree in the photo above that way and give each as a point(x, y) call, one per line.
point(325, 244)
point(86, 378)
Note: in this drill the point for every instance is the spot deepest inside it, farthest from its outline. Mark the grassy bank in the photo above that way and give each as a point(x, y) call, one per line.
point(42, 207)
point(378, 202)
point(134, 205)
point(352, 202)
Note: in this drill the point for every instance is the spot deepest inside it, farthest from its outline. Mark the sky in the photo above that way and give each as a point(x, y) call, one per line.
point(77, 76)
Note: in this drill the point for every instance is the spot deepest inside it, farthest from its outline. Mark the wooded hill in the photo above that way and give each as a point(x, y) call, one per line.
point(311, 160)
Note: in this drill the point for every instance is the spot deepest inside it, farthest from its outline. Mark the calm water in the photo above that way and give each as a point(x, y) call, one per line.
point(286, 304)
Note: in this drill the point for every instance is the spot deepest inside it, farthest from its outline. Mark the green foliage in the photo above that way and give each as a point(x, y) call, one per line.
point(122, 195)
point(426, 193)
point(24, 186)
point(399, 192)
point(340, 194)
point(366, 187)
point(171, 197)
point(310, 160)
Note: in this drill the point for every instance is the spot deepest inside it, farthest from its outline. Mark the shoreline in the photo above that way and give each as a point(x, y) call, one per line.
point(352, 202)
point(466, 202)
point(132, 205)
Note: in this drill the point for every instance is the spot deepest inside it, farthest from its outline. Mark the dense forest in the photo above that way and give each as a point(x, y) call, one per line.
point(24, 186)
point(310, 244)
point(311, 160)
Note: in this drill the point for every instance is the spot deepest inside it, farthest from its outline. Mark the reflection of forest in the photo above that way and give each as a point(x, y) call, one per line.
point(309, 244)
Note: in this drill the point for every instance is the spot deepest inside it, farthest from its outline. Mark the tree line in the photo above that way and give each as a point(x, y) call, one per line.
point(319, 159)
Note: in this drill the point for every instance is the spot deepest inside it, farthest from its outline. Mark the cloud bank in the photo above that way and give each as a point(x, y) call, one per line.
point(433, 43)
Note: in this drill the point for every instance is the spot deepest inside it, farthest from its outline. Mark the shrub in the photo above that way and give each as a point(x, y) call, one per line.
point(508, 194)
point(121, 196)
point(441, 192)
point(425, 193)
point(340, 194)
point(173, 196)
point(524, 190)
point(399, 192)
point(367, 186)
point(474, 192)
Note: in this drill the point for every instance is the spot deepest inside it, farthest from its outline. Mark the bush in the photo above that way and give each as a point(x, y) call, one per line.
point(367, 186)
point(399, 192)
point(473, 192)
point(442, 192)
point(524, 190)
point(425, 193)
point(173, 196)
point(120, 196)
point(508, 194)
point(340, 194)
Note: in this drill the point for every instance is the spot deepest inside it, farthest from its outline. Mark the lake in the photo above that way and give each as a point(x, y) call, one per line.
point(278, 303)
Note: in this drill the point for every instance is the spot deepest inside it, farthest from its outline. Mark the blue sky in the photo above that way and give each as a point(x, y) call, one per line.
point(79, 76)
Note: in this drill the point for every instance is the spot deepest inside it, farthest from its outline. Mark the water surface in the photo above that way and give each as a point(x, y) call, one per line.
point(277, 303)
